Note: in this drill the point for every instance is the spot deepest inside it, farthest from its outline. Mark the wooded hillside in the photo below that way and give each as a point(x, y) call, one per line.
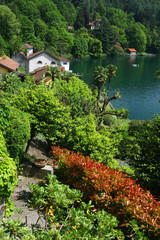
point(63, 27)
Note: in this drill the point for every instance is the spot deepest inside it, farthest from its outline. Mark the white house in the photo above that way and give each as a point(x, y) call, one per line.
point(95, 24)
point(39, 59)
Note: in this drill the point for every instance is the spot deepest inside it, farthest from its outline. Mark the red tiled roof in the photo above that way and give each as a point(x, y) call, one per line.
point(39, 52)
point(63, 59)
point(26, 45)
point(132, 50)
point(35, 54)
point(39, 73)
point(93, 23)
point(8, 63)
point(43, 51)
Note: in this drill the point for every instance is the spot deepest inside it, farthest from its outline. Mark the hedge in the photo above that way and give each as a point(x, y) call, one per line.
point(110, 189)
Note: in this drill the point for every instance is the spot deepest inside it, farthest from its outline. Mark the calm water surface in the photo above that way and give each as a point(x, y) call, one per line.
point(139, 90)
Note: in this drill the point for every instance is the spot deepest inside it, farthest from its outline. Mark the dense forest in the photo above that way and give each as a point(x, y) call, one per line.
point(63, 27)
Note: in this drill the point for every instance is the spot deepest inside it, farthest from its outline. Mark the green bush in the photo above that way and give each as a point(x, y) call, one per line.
point(8, 175)
point(15, 126)
point(141, 148)
point(68, 216)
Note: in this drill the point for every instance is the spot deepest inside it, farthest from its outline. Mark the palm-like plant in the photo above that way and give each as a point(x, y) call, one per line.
point(100, 77)
point(54, 72)
point(111, 72)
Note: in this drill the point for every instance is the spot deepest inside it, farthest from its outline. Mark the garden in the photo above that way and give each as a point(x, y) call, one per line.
point(106, 181)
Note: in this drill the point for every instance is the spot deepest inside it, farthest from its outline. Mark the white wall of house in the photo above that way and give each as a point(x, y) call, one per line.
point(65, 65)
point(41, 60)
point(133, 53)
point(44, 59)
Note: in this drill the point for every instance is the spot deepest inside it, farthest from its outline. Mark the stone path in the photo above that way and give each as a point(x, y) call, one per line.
point(39, 149)
point(21, 197)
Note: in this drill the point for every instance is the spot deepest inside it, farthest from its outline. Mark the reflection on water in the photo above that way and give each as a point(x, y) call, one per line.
point(140, 91)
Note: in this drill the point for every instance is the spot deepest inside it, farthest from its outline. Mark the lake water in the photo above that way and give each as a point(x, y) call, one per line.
point(139, 90)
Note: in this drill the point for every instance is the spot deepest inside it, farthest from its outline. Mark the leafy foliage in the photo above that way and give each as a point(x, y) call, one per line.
point(109, 189)
point(69, 216)
point(76, 94)
point(8, 175)
point(15, 126)
point(141, 148)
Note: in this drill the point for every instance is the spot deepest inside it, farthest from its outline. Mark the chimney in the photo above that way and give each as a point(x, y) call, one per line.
point(29, 49)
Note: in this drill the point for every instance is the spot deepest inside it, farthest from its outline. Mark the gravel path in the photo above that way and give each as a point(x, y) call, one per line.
point(39, 149)
point(20, 198)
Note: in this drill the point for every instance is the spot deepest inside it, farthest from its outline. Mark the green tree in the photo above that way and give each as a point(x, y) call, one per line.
point(101, 8)
point(111, 72)
point(52, 37)
point(9, 25)
point(49, 13)
point(27, 29)
point(137, 37)
point(100, 78)
point(155, 45)
point(117, 17)
point(101, 75)
point(80, 47)
point(40, 29)
point(67, 9)
point(3, 46)
point(95, 47)
point(76, 94)
point(106, 34)
point(80, 20)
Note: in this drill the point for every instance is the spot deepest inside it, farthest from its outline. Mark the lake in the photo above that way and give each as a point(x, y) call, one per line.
point(139, 90)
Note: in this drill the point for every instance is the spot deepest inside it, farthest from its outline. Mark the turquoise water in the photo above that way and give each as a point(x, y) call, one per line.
point(139, 90)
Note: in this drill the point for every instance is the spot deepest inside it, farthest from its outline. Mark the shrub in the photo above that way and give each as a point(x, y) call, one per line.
point(110, 189)
point(76, 94)
point(141, 147)
point(8, 176)
point(84, 137)
point(68, 216)
point(15, 126)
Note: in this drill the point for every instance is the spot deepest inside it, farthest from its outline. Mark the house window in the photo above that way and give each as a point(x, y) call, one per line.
point(64, 63)
point(53, 63)
point(39, 62)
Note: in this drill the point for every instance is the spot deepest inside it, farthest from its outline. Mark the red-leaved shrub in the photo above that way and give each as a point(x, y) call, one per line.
point(110, 189)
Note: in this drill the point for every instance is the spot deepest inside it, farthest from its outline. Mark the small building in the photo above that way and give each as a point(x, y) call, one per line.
point(70, 28)
point(95, 24)
point(132, 51)
point(7, 65)
point(32, 61)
